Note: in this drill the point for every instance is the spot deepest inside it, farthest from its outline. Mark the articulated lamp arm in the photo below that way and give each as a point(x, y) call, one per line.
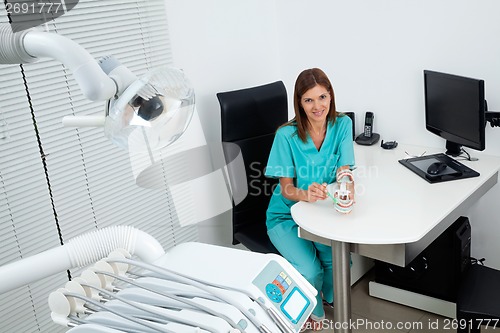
point(146, 113)
point(29, 46)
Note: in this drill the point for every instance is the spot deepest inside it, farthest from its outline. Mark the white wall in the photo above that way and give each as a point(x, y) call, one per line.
point(373, 51)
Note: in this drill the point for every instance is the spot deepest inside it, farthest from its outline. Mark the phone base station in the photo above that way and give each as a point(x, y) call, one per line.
point(367, 140)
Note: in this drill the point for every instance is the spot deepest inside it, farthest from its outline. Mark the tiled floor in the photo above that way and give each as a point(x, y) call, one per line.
point(370, 314)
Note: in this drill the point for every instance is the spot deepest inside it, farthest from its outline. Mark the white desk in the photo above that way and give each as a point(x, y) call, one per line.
point(397, 214)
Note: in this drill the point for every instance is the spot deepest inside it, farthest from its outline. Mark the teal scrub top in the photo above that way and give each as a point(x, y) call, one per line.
point(290, 157)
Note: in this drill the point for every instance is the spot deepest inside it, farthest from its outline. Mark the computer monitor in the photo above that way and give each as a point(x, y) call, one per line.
point(455, 110)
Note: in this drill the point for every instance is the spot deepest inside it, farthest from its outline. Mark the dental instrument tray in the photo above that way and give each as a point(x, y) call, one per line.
point(454, 169)
point(128, 283)
point(194, 287)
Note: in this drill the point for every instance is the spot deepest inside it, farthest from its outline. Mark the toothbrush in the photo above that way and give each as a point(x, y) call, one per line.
point(332, 197)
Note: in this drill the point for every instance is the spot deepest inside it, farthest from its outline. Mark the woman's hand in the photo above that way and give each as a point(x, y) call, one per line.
point(316, 192)
point(313, 193)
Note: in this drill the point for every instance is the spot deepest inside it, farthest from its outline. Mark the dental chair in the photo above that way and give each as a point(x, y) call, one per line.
point(249, 120)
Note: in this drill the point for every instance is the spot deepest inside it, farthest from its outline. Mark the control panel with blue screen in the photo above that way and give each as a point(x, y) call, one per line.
point(285, 295)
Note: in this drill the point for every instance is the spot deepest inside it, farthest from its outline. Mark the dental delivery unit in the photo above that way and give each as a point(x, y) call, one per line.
point(131, 285)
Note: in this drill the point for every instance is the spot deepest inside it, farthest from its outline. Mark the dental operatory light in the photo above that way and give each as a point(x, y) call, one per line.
point(145, 113)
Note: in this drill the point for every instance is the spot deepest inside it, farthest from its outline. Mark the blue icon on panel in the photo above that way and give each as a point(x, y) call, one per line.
point(274, 293)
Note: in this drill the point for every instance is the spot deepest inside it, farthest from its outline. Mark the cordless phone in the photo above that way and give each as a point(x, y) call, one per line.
point(368, 137)
point(368, 124)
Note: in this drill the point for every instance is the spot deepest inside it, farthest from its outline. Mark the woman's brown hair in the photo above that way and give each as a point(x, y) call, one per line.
point(306, 80)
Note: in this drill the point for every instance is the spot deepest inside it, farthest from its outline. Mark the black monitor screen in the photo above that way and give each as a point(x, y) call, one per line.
point(455, 110)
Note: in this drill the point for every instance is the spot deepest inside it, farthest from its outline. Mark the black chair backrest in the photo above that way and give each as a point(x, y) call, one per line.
point(249, 119)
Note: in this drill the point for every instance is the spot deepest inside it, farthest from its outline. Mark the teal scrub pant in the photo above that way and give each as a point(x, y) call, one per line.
point(312, 260)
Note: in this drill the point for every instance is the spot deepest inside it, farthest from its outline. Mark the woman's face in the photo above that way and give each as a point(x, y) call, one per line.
point(316, 104)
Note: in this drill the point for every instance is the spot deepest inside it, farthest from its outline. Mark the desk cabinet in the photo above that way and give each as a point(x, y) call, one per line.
point(438, 270)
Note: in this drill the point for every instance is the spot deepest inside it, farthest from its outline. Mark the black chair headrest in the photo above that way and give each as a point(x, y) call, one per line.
point(253, 112)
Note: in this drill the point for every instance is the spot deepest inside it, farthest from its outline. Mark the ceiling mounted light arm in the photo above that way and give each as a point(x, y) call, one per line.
point(149, 112)
point(31, 45)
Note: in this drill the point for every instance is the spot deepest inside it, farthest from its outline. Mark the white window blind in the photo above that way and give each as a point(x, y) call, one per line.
point(26, 218)
point(56, 182)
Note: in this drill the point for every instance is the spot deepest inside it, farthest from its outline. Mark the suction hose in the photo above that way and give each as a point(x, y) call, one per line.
point(12, 50)
point(79, 252)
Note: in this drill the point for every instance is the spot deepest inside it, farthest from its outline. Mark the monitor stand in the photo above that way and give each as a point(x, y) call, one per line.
point(453, 149)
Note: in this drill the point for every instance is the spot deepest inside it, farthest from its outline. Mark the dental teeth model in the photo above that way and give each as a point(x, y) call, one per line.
point(343, 203)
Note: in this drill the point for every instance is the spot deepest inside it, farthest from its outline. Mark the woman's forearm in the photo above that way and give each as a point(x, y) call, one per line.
point(289, 191)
